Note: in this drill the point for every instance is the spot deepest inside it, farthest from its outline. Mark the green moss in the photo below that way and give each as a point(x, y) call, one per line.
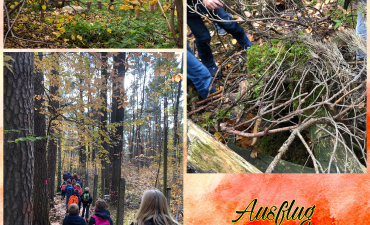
point(200, 154)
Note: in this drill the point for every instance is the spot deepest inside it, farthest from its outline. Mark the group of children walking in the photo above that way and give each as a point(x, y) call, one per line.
point(153, 209)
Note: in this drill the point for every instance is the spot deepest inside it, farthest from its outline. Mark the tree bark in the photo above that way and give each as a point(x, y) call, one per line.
point(40, 200)
point(52, 145)
point(118, 113)
point(165, 118)
point(18, 157)
point(104, 121)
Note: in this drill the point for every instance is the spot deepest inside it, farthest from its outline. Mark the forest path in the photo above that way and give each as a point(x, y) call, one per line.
point(58, 213)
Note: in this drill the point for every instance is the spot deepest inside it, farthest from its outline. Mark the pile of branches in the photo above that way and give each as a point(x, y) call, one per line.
point(325, 88)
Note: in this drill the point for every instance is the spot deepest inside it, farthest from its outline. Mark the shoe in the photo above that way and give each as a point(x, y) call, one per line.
point(213, 71)
point(219, 30)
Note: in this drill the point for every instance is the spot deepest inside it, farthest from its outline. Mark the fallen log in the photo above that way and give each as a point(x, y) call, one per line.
point(208, 154)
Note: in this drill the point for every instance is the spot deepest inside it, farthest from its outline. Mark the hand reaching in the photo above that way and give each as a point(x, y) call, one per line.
point(212, 4)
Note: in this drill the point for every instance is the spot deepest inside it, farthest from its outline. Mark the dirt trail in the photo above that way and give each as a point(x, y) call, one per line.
point(58, 213)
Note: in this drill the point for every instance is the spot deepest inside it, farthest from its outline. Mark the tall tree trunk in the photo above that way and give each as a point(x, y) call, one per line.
point(104, 121)
point(138, 139)
point(18, 157)
point(176, 131)
point(165, 120)
point(59, 182)
point(118, 112)
point(180, 22)
point(40, 200)
point(52, 145)
point(81, 135)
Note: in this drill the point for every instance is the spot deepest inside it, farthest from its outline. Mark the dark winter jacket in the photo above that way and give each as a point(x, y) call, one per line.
point(74, 219)
point(74, 177)
point(82, 198)
point(65, 176)
point(103, 213)
point(69, 175)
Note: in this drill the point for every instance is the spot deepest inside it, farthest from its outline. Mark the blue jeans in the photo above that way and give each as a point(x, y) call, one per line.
point(361, 30)
point(67, 199)
point(203, 38)
point(198, 75)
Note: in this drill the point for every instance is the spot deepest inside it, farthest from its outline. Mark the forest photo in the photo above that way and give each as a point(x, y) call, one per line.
point(107, 126)
point(285, 90)
point(93, 24)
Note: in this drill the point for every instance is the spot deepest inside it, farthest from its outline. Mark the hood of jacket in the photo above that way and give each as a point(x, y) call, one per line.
point(103, 213)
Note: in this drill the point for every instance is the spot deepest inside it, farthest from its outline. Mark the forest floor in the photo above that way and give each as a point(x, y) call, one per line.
point(138, 179)
point(282, 39)
point(96, 28)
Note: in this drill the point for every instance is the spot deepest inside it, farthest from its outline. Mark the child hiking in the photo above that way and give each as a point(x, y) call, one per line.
point(86, 200)
point(74, 199)
point(65, 175)
point(73, 218)
point(63, 189)
point(153, 210)
point(102, 215)
point(69, 193)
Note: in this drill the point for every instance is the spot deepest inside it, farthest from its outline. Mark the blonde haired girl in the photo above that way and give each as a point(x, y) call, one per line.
point(153, 210)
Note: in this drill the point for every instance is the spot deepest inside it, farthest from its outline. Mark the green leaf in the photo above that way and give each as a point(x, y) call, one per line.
point(337, 23)
point(57, 135)
point(38, 138)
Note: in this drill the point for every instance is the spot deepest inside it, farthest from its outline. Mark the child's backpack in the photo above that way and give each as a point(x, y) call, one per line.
point(73, 199)
point(100, 221)
point(65, 176)
point(63, 187)
point(69, 190)
point(86, 197)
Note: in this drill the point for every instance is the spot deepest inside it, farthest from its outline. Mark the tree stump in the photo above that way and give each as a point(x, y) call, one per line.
point(99, 4)
point(88, 5)
point(151, 8)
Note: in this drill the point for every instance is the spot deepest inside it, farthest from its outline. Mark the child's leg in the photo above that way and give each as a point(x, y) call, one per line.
point(87, 211)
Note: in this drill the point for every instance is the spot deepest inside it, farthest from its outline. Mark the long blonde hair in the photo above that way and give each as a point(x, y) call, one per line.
point(154, 206)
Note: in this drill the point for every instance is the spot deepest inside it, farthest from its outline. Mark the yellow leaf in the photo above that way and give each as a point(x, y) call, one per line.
point(131, 7)
point(62, 30)
point(73, 37)
point(112, 7)
point(234, 41)
point(218, 136)
point(15, 3)
point(65, 40)
point(57, 34)
point(44, 7)
point(15, 28)
point(106, 4)
point(79, 37)
point(109, 30)
point(12, 6)
point(83, 15)
point(61, 20)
